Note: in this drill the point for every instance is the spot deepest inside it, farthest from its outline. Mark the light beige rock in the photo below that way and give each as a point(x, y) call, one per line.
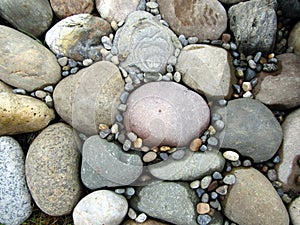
point(22, 114)
point(5, 88)
point(294, 210)
point(294, 40)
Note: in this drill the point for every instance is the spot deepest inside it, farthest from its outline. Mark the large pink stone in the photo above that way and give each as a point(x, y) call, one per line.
point(166, 113)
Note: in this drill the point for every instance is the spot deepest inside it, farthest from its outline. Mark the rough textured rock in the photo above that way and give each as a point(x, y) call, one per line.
point(294, 40)
point(22, 114)
point(153, 198)
point(254, 192)
point(63, 8)
point(52, 170)
point(294, 211)
point(144, 43)
point(15, 198)
point(5, 88)
point(197, 64)
point(90, 97)
point(290, 8)
point(205, 19)
point(116, 10)
point(161, 114)
point(101, 207)
point(147, 222)
point(32, 17)
point(253, 24)
point(288, 169)
point(277, 89)
point(251, 129)
point(19, 70)
point(193, 166)
point(105, 164)
point(78, 36)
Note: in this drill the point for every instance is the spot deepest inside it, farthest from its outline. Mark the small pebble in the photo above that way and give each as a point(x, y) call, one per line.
point(229, 179)
point(212, 130)
point(203, 208)
point(250, 74)
point(233, 46)
point(165, 148)
point(126, 145)
point(72, 63)
point(214, 195)
point(226, 37)
point(149, 156)
point(177, 52)
point(203, 148)
point(103, 126)
point(195, 184)
point(270, 67)
point(286, 199)
point(183, 40)
point(152, 5)
point(257, 57)
point(40, 94)
point(104, 133)
point(247, 163)
point(138, 143)
point(106, 42)
point(203, 219)
point(114, 128)
point(172, 60)
point(272, 174)
point(132, 214)
point(49, 101)
point(205, 181)
point(19, 91)
point(74, 70)
point(246, 86)
point(115, 60)
point(120, 191)
point(219, 125)
point(179, 154)
point(217, 175)
point(119, 118)
point(122, 107)
point(213, 185)
point(276, 160)
point(231, 156)
point(145, 149)
point(141, 218)
point(193, 40)
point(63, 61)
point(132, 136)
point(200, 192)
point(195, 144)
point(130, 191)
point(49, 88)
point(65, 73)
point(215, 204)
point(205, 198)
point(222, 190)
point(212, 141)
point(248, 94)
point(170, 69)
point(222, 102)
point(177, 77)
point(87, 62)
point(164, 156)
point(114, 25)
point(236, 163)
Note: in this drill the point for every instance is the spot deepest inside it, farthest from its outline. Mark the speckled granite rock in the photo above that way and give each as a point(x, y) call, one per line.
point(19, 70)
point(52, 170)
point(15, 199)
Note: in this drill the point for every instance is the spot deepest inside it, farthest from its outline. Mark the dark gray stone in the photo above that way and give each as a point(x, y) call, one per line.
point(251, 129)
point(160, 200)
point(105, 164)
point(290, 8)
point(253, 24)
point(15, 198)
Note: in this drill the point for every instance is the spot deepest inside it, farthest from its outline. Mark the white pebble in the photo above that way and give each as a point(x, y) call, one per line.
point(177, 77)
point(152, 5)
point(195, 184)
point(231, 156)
point(131, 214)
point(141, 218)
point(87, 62)
point(248, 94)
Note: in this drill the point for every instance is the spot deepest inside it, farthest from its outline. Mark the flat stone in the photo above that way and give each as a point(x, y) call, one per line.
point(78, 36)
point(116, 10)
point(32, 17)
point(101, 207)
point(193, 165)
point(157, 113)
point(64, 8)
point(277, 89)
point(19, 70)
point(15, 198)
point(153, 198)
point(253, 191)
point(144, 43)
point(90, 97)
point(294, 40)
point(147, 222)
point(204, 19)
point(51, 168)
point(288, 169)
point(294, 211)
point(105, 164)
point(22, 114)
point(207, 70)
point(253, 24)
point(251, 129)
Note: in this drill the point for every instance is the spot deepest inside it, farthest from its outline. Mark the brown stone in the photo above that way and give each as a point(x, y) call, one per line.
point(149, 156)
point(205, 19)
point(213, 185)
point(195, 144)
point(65, 8)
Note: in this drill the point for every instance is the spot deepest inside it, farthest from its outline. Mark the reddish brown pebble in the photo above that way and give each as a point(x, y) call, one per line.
point(213, 185)
point(226, 37)
point(264, 169)
point(211, 212)
point(298, 180)
point(203, 208)
point(155, 149)
point(195, 144)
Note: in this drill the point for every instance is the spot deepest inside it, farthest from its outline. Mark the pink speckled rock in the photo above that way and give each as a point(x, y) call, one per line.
point(166, 113)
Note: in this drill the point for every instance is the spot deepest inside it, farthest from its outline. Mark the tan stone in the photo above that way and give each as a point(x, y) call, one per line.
point(195, 144)
point(4, 87)
point(203, 208)
point(294, 40)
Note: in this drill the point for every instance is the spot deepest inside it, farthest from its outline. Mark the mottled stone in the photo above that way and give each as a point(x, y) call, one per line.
point(205, 19)
point(22, 114)
point(161, 113)
point(251, 129)
point(65, 8)
point(153, 198)
point(101, 207)
point(31, 16)
point(15, 198)
point(90, 97)
point(288, 169)
point(144, 43)
point(253, 24)
point(105, 164)
point(197, 64)
point(116, 10)
point(277, 89)
point(254, 192)
point(78, 36)
point(290, 8)
point(147, 222)
point(52, 170)
point(193, 166)
point(18, 69)
point(294, 211)
point(294, 40)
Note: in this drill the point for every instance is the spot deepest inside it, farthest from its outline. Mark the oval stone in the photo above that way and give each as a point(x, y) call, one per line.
point(166, 113)
point(294, 38)
point(15, 198)
point(101, 207)
point(52, 170)
point(18, 69)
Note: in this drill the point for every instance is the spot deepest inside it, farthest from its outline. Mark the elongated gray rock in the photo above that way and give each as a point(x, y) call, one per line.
point(160, 200)
point(193, 166)
point(15, 198)
point(105, 164)
point(52, 170)
point(31, 16)
point(144, 44)
point(90, 97)
point(18, 69)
